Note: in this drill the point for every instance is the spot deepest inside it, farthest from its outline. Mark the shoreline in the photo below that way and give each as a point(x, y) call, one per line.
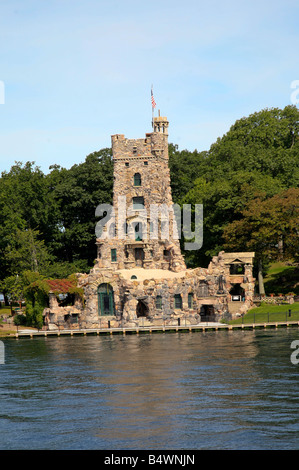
point(200, 327)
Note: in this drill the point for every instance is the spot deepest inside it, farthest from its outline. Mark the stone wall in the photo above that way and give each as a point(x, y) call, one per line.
point(156, 244)
point(210, 288)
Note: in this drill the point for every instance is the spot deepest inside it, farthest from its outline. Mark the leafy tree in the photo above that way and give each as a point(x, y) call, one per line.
point(26, 252)
point(269, 227)
point(266, 141)
point(26, 219)
point(223, 201)
point(185, 167)
point(77, 192)
point(258, 155)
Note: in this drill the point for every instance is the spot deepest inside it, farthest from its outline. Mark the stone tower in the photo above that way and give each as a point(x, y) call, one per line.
point(142, 231)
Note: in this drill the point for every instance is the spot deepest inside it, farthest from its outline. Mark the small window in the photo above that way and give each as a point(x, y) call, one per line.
point(159, 302)
point(166, 253)
point(138, 203)
point(134, 150)
point(177, 301)
point(113, 255)
point(133, 277)
point(127, 164)
point(190, 300)
point(146, 163)
point(203, 290)
point(137, 179)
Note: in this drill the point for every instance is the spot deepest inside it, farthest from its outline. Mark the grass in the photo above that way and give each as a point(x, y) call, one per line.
point(5, 311)
point(282, 278)
point(270, 313)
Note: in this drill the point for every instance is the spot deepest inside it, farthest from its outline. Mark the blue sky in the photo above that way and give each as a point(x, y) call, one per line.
point(76, 72)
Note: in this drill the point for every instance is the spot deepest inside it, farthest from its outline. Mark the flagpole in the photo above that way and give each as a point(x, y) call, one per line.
point(153, 105)
point(152, 94)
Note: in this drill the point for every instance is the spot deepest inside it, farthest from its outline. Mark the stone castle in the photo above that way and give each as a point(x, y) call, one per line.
point(140, 276)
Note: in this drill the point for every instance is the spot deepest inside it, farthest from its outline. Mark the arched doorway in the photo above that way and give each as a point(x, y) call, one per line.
point(105, 299)
point(207, 313)
point(142, 309)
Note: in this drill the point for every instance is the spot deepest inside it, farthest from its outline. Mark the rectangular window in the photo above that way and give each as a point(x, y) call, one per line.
point(158, 302)
point(113, 255)
point(190, 300)
point(138, 203)
point(177, 301)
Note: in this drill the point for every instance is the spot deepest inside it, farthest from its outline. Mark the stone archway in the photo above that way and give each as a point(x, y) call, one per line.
point(142, 309)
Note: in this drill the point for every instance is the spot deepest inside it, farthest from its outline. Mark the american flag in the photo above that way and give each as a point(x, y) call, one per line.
point(153, 99)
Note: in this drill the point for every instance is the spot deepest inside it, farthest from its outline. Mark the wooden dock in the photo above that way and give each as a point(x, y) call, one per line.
point(200, 327)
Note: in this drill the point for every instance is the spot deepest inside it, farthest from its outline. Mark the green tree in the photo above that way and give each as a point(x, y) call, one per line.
point(269, 227)
point(77, 192)
point(185, 167)
point(266, 141)
point(25, 251)
point(258, 155)
point(26, 219)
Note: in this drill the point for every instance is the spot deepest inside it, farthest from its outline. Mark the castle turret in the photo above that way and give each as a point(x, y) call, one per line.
point(144, 229)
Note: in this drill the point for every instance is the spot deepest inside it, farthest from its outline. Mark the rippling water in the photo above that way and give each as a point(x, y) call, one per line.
point(213, 390)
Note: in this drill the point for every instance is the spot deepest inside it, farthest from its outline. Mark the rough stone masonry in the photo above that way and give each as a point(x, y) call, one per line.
point(139, 279)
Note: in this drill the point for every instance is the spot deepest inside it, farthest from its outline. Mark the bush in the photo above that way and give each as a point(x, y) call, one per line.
point(19, 319)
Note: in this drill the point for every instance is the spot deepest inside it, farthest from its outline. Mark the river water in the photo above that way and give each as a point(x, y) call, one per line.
point(212, 390)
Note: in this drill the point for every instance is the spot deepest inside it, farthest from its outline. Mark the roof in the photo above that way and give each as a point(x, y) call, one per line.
point(62, 286)
point(243, 257)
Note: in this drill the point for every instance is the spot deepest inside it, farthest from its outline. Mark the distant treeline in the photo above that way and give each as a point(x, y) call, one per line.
point(248, 183)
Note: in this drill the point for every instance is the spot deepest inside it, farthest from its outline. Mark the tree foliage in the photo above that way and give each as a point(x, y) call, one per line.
point(259, 155)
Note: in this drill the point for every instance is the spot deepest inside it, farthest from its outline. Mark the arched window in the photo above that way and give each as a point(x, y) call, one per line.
point(105, 299)
point(178, 301)
point(137, 179)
